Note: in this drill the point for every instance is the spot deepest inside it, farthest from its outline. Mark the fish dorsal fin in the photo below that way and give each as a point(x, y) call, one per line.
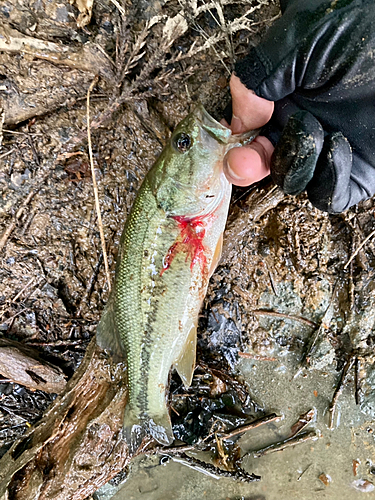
point(185, 364)
point(107, 336)
point(217, 255)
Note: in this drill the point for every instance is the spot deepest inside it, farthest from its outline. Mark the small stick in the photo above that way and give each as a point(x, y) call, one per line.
point(23, 289)
point(265, 312)
point(311, 344)
point(21, 133)
point(7, 153)
point(57, 343)
point(257, 357)
point(95, 186)
point(91, 283)
point(304, 420)
point(360, 248)
point(339, 389)
point(6, 234)
point(357, 379)
point(303, 472)
point(121, 9)
point(288, 443)
point(212, 471)
point(170, 451)
point(272, 283)
point(261, 421)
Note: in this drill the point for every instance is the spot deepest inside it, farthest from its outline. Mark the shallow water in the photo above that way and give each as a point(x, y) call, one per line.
point(292, 473)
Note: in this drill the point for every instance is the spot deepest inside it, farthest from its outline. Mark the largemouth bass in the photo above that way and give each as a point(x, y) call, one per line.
point(169, 248)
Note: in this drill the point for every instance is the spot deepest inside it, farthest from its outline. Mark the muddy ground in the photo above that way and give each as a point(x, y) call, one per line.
point(283, 266)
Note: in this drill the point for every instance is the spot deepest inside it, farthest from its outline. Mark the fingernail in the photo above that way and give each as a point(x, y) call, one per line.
point(236, 125)
point(230, 172)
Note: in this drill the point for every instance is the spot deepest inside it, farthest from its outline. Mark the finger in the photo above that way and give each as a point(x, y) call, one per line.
point(249, 110)
point(296, 153)
point(248, 164)
point(331, 189)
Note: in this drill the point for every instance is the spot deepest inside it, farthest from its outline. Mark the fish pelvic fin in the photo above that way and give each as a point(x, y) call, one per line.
point(136, 428)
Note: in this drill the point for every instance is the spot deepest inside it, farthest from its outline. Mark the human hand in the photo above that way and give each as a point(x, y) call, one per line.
point(316, 64)
point(246, 165)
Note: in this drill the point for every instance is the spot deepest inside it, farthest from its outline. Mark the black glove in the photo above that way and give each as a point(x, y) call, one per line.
point(318, 63)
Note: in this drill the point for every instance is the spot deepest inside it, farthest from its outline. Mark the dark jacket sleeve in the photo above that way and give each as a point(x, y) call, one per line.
point(320, 57)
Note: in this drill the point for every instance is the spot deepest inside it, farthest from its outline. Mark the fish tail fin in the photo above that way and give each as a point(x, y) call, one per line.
point(136, 428)
point(161, 428)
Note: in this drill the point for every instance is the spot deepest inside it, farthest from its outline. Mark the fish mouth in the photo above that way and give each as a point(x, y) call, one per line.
point(218, 131)
point(222, 133)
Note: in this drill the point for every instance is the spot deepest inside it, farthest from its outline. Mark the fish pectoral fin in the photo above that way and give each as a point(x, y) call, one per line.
point(185, 364)
point(217, 255)
point(107, 336)
point(136, 428)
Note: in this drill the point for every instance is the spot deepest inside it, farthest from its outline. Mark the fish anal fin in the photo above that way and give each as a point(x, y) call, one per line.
point(217, 255)
point(185, 364)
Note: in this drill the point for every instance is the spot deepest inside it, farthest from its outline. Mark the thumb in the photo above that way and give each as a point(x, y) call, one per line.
point(248, 164)
point(249, 110)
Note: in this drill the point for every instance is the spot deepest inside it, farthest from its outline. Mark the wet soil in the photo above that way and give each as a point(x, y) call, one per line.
point(282, 278)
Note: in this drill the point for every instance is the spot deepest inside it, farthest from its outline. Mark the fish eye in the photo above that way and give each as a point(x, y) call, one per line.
point(182, 142)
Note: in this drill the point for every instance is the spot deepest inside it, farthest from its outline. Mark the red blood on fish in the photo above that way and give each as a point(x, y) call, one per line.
point(190, 241)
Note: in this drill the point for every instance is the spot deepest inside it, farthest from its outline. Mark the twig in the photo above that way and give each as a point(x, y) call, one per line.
point(303, 472)
point(288, 443)
point(360, 248)
point(121, 9)
point(23, 289)
point(95, 186)
point(212, 471)
point(57, 343)
point(273, 286)
point(33, 149)
point(170, 450)
point(14, 132)
point(323, 327)
point(244, 428)
point(7, 153)
point(339, 389)
point(304, 420)
point(9, 320)
point(357, 379)
point(257, 357)
point(265, 312)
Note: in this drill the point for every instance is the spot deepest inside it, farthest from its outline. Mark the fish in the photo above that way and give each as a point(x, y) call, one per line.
point(169, 248)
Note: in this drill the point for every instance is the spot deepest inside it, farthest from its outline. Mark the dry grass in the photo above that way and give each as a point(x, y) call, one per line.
point(170, 43)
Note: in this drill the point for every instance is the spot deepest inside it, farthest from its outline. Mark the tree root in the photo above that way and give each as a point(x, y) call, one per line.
point(24, 366)
point(78, 446)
